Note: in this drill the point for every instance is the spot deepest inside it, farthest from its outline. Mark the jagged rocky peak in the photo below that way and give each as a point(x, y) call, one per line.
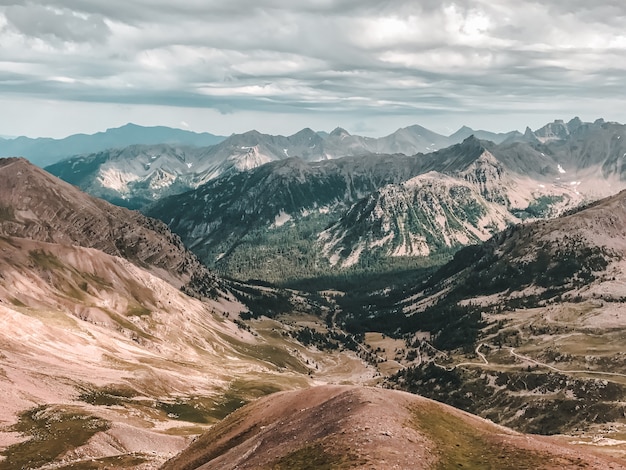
point(487, 174)
point(471, 142)
point(306, 136)
point(458, 157)
point(556, 130)
point(339, 132)
point(414, 128)
point(247, 138)
point(462, 133)
point(574, 124)
point(306, 132)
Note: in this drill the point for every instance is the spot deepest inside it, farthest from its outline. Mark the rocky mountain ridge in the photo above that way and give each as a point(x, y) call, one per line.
point(235, 217)
point(138, 175)
point(221, 219)
point(38, 206)
point(46, 151)
point(427, 214)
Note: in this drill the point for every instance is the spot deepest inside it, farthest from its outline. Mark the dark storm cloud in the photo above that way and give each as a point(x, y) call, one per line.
point(368, 57)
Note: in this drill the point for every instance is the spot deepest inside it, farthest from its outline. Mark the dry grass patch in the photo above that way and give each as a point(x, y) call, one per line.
point(317, 457)
point(460, 444)
point(52, 432)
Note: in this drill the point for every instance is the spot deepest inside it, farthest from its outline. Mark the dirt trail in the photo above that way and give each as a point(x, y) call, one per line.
point(562, 371)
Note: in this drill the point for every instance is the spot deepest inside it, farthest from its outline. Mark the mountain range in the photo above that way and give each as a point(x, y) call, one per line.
point(121, 348)
point(253, 210)
point(296, 218)
point(140, 174)
point(46, 151)
point(124, 170)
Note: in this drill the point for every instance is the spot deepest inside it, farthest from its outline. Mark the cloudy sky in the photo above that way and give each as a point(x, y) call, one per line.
point(370, 66)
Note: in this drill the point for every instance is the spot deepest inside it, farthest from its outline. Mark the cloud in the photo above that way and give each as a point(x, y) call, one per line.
point(360, 57)
point(52, 24)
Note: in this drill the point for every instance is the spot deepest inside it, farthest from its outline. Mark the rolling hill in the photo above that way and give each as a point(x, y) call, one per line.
point(347, 427)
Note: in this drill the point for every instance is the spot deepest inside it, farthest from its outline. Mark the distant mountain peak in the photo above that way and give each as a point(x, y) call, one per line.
point(574, 124)
point(339, 132)
point(464, 129)
point(47, 151)
point(472, 144)
point(556, 130)
point(471, 140)
point(307, 131)
point(252, 132)
point(530, 136)
point(414, 127)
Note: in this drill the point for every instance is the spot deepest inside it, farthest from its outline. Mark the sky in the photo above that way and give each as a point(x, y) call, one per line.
point(370, 66)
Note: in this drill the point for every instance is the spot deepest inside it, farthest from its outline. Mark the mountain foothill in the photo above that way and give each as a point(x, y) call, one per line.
point(178, 300)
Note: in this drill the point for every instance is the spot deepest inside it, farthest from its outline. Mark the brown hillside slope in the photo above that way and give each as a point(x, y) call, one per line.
point(36, 205)
point(341, 427)
point(104, 365)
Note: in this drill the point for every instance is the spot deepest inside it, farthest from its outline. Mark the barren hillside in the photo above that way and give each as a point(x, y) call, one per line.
point(341, 427)
point(101, 359)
